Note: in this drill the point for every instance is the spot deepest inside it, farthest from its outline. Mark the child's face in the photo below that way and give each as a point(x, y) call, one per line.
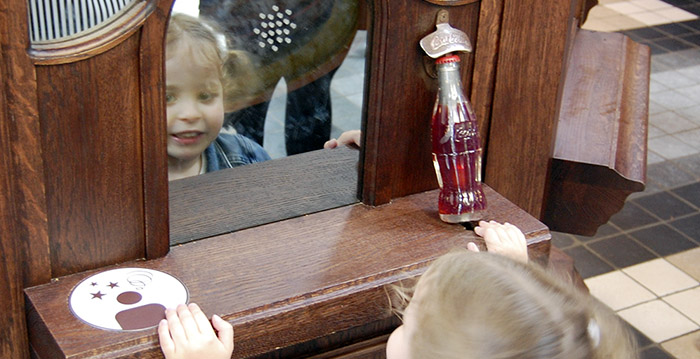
point(195, 108)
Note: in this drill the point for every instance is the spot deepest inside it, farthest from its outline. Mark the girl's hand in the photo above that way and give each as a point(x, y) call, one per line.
point(504, 239)
point(349, 138)
point(186, 333)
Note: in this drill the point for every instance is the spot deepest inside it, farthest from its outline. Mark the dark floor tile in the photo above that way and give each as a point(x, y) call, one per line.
point(690, 163)
point(632, 216)
point(650, 187)
point(690, 193)
point(694, 24)
point(654, 352)
point(562, 240)
point(675, 29)
point(664, 205)
point(693, 39)
point(663, 240)
point(621, 251)
point(656, 49)
point(690, 226)
point(672, 44)
point(605, 230)
point(668, 174)
point(648, 33)
point(587, 263)
point(693, 8)
point(678, 3)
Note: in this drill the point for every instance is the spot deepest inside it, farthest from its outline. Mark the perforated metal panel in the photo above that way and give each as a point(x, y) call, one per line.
point(58, 19)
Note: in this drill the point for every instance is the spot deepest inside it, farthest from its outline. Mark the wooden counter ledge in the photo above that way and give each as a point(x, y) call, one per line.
point(297, 287)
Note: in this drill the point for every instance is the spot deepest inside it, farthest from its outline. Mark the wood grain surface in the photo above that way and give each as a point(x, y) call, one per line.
point(23, 217)
point(286, 283)
point(251, 195)
point(531, 58)
point(91, 150)
point(600, 150)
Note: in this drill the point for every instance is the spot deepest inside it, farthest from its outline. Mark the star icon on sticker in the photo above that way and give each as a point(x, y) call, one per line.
point(97, 295)
point(112, 285)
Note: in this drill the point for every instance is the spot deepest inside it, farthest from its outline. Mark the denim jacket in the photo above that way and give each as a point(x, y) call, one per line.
point(231, 150)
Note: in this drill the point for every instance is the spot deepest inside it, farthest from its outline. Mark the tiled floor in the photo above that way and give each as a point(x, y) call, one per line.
point(645, 262)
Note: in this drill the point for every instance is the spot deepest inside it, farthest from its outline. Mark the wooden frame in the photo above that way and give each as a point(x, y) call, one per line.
point(70, 206)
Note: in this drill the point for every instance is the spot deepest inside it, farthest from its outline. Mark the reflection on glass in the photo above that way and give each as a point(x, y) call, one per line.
point(300, 92)
point(200, 75)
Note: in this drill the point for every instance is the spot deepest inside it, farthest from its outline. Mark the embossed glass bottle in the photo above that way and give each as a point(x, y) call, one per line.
point(456, 148)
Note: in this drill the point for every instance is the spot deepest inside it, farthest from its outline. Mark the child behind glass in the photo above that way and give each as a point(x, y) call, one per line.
point(199, 82)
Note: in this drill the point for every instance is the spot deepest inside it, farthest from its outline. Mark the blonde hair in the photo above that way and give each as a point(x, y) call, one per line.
point(483, 305)
point(209, 49)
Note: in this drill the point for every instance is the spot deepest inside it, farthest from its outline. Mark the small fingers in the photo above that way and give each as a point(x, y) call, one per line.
point(166, 342)
point(177, 332)
point(515, 234)
point(225, 330)
point(471, 246)
point(203, 325)
point(332, 143)
point(189, 324)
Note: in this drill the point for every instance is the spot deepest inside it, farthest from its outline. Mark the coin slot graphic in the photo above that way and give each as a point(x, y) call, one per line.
point(129, 298)
point(126, 298)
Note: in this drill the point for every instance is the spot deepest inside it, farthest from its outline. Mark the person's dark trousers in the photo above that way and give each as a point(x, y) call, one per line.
point(307, 117)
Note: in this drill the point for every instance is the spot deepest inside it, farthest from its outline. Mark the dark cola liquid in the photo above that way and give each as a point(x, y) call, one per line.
point(457, 160)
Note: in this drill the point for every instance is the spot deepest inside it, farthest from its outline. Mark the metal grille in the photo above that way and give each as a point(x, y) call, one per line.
point(274, 28)
point(56, 19)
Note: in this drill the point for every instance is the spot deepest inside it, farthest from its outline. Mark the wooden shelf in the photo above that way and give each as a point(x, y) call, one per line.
point(302, 286)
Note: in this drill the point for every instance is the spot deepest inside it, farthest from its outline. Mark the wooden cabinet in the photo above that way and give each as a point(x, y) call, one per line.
point(294, 288)
point(84, 180)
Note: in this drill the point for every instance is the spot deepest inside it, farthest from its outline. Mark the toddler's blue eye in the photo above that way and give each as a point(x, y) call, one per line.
point(169, 98)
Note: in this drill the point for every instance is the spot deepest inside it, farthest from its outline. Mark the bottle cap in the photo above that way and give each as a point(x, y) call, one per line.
point(447, 59)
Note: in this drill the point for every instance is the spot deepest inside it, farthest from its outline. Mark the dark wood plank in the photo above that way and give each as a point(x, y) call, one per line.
point(485, 64)
point(154, 133)
point(288, 282)
point(401, 95)
point(600, 149)
point(13, 329)
point(525, 101)
point(23, 223)
point(91, 145)
point(21, 121)
point(251, 195)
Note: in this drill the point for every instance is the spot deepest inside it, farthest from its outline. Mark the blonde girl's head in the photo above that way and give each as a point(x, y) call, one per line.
point(482, 305)
point(201, 40)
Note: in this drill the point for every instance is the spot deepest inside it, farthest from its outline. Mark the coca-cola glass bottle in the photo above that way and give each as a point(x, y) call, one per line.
point(456, 148)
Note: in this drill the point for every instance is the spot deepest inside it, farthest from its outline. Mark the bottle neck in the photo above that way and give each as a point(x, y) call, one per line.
point(449, 82)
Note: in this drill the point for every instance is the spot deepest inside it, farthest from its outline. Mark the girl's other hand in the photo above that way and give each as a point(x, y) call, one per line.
point(504, 239)
point(186, 333)
point(348, 138)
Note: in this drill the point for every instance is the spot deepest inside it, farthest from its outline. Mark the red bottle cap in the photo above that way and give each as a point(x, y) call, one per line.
point(447, 59)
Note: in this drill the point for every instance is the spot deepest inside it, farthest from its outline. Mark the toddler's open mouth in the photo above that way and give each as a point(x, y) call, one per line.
point(187, 137)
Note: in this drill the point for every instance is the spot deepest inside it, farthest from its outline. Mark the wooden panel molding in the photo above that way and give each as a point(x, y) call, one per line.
point(601, 143)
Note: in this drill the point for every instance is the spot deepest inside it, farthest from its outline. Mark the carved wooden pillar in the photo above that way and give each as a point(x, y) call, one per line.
point(80, 124)
point(531, 59)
